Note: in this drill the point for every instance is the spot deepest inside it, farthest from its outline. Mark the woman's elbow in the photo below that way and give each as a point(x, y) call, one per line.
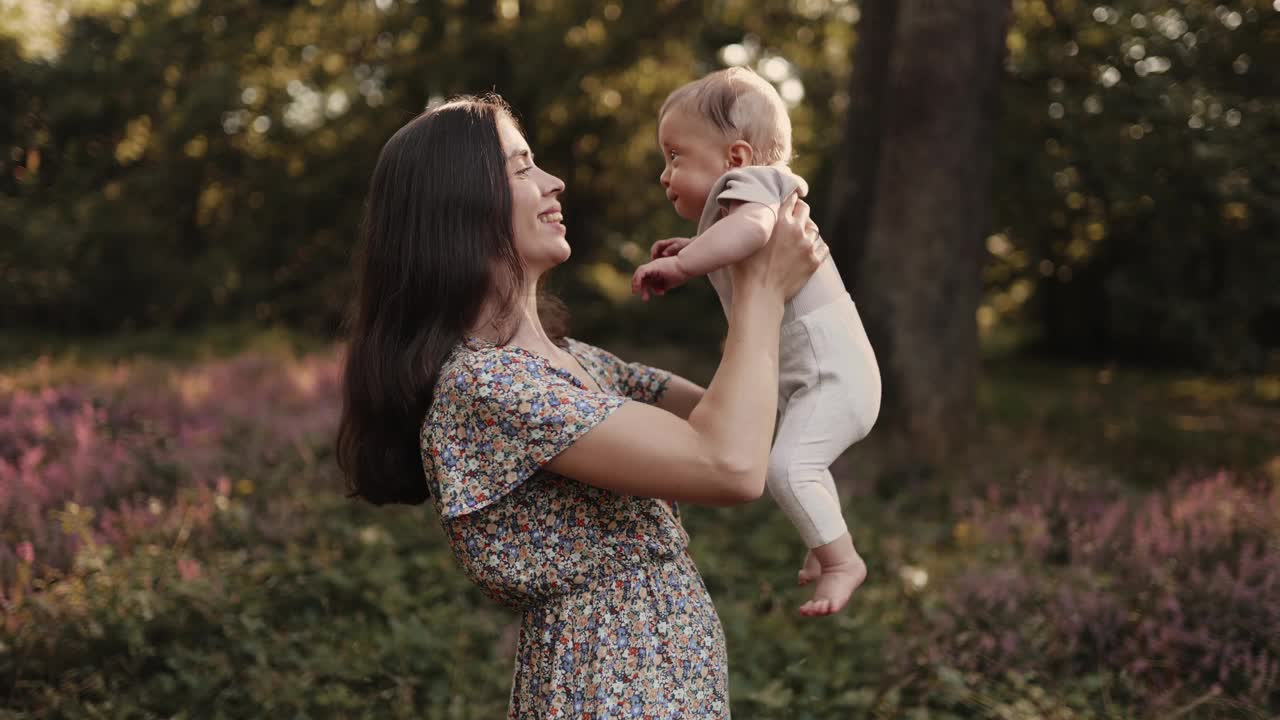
point(749, 492)
point(740, 483)
point(727, 473)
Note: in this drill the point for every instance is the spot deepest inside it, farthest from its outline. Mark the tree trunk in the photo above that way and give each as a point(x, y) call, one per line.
point(915, 203)
point(853, 186)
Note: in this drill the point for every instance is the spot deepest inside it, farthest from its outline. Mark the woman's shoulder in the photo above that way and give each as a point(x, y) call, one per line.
point(471, 372)
point(479, 362)
point(480, 372)
point(498, 415)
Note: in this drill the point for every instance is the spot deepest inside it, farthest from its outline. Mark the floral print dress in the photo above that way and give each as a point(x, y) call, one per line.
point(616, 620)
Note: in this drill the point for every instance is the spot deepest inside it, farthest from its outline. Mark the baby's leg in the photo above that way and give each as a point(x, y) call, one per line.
point(801, 484)
point(803, 487)
point(813, 565)
point(812, 568)
point(829, 404)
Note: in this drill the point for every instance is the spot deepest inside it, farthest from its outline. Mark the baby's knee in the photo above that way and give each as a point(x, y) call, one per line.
point(794, 469)
point(779, 471)
point(866, 412)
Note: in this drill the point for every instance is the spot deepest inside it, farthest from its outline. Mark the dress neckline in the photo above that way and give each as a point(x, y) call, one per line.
point(570, 342)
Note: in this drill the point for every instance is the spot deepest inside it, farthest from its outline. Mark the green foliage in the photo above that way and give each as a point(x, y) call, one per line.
point(221, 175)
point(1138, 197)
point(178, 163)
point(342, 618)
point(268, 593)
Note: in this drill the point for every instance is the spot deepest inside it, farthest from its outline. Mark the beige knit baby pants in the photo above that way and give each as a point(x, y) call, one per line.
point(828, 399)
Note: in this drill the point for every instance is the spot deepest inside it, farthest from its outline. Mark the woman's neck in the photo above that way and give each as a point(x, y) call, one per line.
point(520, 323)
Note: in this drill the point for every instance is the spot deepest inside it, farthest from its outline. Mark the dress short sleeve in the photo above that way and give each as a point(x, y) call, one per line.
point(643, 383)
point(634, 380)
point(498, 415)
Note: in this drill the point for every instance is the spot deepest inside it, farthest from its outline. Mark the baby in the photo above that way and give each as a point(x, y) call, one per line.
point(726, 141)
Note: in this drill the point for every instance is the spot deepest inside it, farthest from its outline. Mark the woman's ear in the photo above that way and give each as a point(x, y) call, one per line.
point(740, 154)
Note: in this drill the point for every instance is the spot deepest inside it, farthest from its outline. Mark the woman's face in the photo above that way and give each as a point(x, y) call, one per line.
point(535, 211)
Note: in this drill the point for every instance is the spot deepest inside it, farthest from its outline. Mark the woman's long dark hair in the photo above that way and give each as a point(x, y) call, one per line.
point(437, 240)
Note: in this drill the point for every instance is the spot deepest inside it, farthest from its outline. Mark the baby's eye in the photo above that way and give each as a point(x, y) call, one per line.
point(673, 154)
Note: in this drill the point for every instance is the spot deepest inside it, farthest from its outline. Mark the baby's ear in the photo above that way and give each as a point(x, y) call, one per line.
point(740, 154)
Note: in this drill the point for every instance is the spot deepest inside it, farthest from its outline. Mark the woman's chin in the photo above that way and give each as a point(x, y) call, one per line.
point(561, 242)
point(565, 251)
point(550, 257)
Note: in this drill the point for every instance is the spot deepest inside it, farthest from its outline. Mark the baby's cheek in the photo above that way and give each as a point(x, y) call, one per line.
point(687, 210)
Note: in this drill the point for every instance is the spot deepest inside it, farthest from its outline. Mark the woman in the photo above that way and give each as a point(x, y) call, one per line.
point(554, 466)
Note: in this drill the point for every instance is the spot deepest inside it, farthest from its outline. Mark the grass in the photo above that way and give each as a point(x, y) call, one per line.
point(270, 594)
point(21, 349)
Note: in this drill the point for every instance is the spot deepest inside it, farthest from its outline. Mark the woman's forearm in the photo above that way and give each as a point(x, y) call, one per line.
point(737, 413)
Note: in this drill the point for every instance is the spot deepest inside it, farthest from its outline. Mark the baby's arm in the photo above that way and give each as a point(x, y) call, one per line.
point(739, 235)
point(746, 229)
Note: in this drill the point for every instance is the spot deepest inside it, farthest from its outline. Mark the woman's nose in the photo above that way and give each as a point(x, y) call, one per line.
point(554, 185)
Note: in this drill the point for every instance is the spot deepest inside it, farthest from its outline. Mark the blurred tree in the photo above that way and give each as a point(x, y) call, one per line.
point(911, 209)
point(1138, 181)
point(172, 163)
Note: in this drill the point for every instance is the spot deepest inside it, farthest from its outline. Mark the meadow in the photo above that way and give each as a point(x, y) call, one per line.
point(175, 542)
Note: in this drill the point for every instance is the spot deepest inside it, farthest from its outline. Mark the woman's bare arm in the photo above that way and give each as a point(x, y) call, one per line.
point(681, 396)
point(717, 456)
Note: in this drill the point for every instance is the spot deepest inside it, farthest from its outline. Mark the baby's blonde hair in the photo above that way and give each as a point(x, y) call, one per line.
point(741, 105)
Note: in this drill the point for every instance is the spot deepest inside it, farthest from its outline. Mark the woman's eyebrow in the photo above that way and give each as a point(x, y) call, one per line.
point(521, 153)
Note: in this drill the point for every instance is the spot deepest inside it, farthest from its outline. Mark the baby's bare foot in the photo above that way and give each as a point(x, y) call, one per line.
point(842, 570)
point(835, 586)
point(812, 569)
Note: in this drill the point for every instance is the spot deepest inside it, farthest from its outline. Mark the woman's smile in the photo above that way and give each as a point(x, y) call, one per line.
point(554, 218)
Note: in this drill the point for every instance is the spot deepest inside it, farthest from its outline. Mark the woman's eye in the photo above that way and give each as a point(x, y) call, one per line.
point(524, 170)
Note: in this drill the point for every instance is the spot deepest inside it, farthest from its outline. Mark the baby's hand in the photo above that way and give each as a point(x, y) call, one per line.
point(668, 247)
point(657, 277)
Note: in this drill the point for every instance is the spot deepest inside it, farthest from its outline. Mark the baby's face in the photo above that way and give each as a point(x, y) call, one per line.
point(695, 156)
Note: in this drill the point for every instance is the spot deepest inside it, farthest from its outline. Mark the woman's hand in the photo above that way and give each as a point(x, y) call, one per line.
point(791, 256)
